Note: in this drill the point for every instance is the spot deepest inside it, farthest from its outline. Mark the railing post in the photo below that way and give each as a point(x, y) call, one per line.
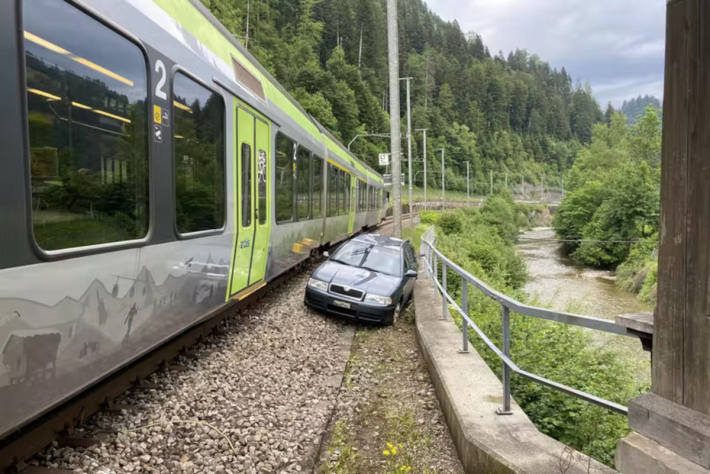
point(464, 307)
point(436, 266)
point(444, 289)
point(505, 323)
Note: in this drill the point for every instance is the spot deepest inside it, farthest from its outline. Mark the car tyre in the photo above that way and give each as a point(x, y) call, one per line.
point(395, 315)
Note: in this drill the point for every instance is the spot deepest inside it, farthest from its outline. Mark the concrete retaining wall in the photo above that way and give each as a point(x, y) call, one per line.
point(469, 393)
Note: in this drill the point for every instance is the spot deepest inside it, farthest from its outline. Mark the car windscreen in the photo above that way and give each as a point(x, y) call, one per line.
point(383, 260)
point(378, 259)
point(351, 253)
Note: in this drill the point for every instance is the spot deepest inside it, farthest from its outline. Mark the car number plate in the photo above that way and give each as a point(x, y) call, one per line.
point(341, 304)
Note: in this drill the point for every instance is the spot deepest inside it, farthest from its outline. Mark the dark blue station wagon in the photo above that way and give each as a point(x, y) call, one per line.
point(369, 278)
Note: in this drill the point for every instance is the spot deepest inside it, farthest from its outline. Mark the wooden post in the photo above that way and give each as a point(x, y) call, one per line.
point(681, 362)
point(676, 414)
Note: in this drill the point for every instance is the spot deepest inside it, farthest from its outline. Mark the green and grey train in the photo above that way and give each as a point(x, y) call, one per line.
point(151, 172)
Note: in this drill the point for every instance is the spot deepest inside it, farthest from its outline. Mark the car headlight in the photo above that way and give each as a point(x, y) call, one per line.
point(377, 299)
point(317, 284)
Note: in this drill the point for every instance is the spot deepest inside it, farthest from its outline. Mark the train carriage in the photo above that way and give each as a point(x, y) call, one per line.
point(152, 171)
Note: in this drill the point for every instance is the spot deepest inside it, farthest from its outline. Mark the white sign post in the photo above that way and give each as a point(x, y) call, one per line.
point(384, 159)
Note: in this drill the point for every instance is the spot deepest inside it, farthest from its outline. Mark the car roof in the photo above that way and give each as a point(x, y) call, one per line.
point(380, 240)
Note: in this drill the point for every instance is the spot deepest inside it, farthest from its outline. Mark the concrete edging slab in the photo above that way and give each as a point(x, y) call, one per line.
point(469, 393)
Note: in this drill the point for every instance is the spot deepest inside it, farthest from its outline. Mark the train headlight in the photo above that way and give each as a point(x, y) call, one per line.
point(377, 299)
point(317, 284)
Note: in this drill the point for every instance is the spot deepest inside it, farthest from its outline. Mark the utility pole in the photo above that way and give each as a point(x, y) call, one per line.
point(443, 180)
point(425, 181)
point(409, 146)
point(393, 56)
point(426, 84)
point(468, 180)
point(246, 38)
point(506, 180)
point(359, 50)
point(491, 193)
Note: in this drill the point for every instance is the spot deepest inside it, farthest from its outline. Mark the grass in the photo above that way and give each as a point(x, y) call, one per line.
point(434, 194)
point(346, 458)
point(414, 235)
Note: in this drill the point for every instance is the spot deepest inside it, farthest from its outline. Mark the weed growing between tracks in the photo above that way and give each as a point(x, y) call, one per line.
point(387, 416)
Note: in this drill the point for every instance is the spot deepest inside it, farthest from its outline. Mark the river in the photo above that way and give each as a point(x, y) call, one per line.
point(556, 282)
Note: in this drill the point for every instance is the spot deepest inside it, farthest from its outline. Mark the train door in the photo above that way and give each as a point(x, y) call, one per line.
point(252, 222)
point(262, 136)
point(353, 203)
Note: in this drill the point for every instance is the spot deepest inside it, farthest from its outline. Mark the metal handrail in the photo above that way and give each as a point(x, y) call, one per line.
point(434, 258)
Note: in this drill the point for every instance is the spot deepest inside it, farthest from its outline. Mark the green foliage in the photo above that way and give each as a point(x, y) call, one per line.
point(450, 223)
point(639, 271)
point(499, 212)
point(613, 197)
point(629, 211)
point(429, 217)
point(556, 351)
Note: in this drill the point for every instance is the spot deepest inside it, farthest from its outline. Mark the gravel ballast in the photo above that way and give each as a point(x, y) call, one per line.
point(256, 396)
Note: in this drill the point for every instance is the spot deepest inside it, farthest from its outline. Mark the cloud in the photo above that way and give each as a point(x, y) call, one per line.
point(616, 45)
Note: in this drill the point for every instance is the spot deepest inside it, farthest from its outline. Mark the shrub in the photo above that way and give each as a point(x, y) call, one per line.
point(450, 223)
point(429, 217)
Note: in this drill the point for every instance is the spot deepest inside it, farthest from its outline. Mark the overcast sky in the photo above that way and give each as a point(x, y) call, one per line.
point(616, 45)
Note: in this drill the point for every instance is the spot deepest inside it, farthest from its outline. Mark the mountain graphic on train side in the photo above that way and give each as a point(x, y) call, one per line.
point(34, 336)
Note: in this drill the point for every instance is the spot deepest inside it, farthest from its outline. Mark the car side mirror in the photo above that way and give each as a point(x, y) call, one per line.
point(326, 254)
point(411, 274)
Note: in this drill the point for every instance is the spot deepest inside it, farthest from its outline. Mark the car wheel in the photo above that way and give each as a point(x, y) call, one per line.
point(395, 314)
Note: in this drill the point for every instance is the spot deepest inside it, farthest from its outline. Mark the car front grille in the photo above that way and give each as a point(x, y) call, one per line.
point(346, 291)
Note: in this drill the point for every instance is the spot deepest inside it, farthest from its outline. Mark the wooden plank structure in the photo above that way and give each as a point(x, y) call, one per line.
point(672, 423)
point(681, 369)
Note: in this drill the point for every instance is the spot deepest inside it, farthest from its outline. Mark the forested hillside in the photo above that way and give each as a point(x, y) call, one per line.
point(512, 115)
point(635, 108)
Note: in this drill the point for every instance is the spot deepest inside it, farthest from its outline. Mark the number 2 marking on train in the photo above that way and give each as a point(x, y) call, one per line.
point(160, 69)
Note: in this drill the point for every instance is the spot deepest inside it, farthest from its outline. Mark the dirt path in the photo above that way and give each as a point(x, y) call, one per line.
point(387, 417)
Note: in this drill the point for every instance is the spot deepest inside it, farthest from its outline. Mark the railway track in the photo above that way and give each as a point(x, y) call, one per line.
point(60, 425)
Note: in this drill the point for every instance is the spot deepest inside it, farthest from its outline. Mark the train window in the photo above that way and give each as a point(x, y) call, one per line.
point(361, 196)
point(198, 156)
point(246, 185)
point(341, 192)
point(86, 96)
point(285, 149)
point(317, 186)
point(347, 185)
point(303, 183)
point(332, 191)
point(261, 186)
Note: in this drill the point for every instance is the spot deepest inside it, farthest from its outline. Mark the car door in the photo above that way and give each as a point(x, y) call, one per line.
point(410, 263)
